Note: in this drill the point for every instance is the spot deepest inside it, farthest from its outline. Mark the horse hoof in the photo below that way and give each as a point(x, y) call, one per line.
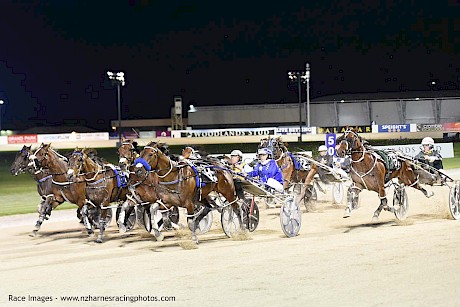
point(160, 237)
point(99, 240)
point(375, 218)
point(195, 240)
point(34, 233)
point(429, 194)
point(121, 228)
point(347, 213)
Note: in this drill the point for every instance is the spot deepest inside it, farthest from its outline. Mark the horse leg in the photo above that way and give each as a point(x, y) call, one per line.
point(43, 208)
point(85, 217)
point(306, 190)
point(191, 221)
point(203, 213)
point(383, 204)
point(352, 200)
point(102, 222)
point(125, 211)
point(425, 192)
point(154, 227)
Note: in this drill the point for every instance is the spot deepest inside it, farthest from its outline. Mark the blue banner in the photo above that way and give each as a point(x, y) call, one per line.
point(394, 128)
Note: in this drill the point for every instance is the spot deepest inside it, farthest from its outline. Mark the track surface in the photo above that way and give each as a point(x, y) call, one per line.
point(333, 261)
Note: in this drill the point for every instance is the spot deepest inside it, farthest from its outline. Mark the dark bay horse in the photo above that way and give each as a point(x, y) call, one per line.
point(104, 185)
point(285, 160)
point(42, 177)
point(368, 172)
point(183, 180)
point(47, 160)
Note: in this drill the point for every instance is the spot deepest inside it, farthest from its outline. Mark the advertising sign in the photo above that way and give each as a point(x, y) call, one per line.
point(342, 129)
point(453, 127)
point(22, 139)
point(163, 134)
point(227, 132)
point(295, 130)
point(430, 127)
point(394, 128)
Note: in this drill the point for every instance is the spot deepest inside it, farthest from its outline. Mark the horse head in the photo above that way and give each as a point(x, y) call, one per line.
point(83, 161)
point(348, 142)
point(148, 158)
point(40, 159)
point(127, 152)
point(276, 146)
point(21, 161)
point(76, 161)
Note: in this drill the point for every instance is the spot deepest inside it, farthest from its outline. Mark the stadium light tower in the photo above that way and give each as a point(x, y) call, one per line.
point(1, 103)
point(300, 77)
point(118, 79)
point(307, 77)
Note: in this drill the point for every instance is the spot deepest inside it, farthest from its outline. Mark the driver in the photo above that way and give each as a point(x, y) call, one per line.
point(267, 170)
point(429, 155)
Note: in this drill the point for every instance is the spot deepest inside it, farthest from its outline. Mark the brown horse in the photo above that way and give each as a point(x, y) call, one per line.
point(47, 160)
point(368, 172)
point(104, 185)
point(184, 180)
point(127, 153)
point(285, 161)
point(141, 194)
point(42, 177)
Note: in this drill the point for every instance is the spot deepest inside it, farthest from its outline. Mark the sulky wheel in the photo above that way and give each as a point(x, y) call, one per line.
point(337, 192)
point(454, 201)
point(230, 220)
point(250, 214)
point(205, 224)
point(290, 217)
point(400, 203)
point(130, 221)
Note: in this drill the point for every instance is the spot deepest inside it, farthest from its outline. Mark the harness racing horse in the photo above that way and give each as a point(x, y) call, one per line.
point(286, 161)
point(127, 153)
point(43, 177)
point(184, 180)
point(47, 161)
point(368, 172)
point(140, 193)
point(104, 185)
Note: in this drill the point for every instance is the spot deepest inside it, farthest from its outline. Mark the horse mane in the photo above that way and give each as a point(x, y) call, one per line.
point(92, 154)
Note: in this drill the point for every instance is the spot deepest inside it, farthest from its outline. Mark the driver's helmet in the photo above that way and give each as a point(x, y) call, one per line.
point(428, 141)
point(322, 148)
point(236, 152)
point(264, 151)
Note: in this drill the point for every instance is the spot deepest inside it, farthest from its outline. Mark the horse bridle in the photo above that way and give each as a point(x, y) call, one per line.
point(34, 161)
point(80, 154)
point(132, 150)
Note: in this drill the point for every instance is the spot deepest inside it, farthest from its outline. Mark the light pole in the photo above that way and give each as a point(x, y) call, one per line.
point(1, 103)
point(307, 77)
point(118, 79)
point(298, 76)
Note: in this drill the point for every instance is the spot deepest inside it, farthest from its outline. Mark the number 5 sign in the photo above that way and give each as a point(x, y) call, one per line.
point(330, 143)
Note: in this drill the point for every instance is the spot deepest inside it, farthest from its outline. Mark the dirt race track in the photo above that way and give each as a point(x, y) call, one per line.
point(333, 261)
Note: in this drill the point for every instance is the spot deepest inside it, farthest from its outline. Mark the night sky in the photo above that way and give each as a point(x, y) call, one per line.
point(54, 55)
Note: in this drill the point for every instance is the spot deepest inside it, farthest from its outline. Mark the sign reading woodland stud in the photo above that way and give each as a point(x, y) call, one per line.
point(225, 132)
point(445, 149)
